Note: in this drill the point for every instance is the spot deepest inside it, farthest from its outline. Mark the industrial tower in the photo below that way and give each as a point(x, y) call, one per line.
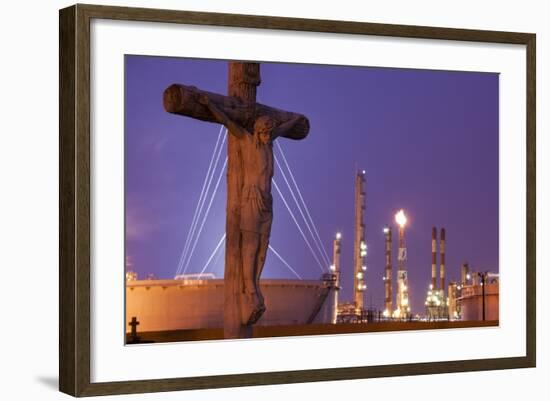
point(388, 306)
point(335, 270)
point(337, 243)
point(442, 265)
point(335, 267)
point(360, 246)
point(402, 299)
point(436, 302)
point(433, 285)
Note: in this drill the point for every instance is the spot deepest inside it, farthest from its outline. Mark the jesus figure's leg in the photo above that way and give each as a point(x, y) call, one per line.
point(260, 263)
point(252, 306)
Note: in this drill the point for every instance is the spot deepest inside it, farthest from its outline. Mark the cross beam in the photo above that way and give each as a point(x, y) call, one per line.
point(184, 101)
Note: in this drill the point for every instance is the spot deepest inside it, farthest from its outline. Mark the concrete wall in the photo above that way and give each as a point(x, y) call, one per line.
point(471, 302)
point(192, 304)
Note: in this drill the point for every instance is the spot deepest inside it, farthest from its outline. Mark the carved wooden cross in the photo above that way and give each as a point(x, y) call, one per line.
point(239, 106)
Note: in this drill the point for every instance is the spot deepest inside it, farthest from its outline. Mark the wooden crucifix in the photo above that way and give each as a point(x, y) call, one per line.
point(252, 127)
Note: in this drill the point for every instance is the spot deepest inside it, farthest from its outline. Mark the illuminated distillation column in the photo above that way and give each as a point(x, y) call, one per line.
point(336, 257)
point(442, 266)
point(335, 268)
point(360, 246)
point(434, 258)
point(402, 307)
point(388, 308)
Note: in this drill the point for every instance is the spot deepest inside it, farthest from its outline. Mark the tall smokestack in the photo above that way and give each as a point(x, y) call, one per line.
point(388, 309)
point(402, 298)
point(434, 260)
point(336, 257)
point(442, 257)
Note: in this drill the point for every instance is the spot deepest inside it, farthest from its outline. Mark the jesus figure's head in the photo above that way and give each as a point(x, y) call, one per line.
point(263, 127)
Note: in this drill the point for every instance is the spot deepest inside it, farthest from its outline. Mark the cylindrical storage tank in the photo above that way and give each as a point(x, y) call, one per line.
point(162, 305)
point(471, 302)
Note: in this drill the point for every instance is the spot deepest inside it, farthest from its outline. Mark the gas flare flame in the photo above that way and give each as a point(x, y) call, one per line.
point(400, 218)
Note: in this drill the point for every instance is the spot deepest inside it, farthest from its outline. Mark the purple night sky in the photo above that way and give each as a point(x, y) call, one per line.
point(428, 141)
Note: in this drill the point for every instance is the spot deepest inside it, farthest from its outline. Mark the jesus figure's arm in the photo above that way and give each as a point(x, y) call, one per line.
point(285, 127)
point(223, 119)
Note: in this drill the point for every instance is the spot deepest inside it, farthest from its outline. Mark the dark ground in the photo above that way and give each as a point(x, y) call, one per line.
point(308, 330)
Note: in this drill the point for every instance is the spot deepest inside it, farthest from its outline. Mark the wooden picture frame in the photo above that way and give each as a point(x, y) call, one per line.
point(74, 199)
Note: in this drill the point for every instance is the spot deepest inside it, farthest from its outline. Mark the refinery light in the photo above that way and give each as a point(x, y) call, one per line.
point(400, 218)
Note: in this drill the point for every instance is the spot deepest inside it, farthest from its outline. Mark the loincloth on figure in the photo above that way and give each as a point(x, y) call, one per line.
point(256, 210)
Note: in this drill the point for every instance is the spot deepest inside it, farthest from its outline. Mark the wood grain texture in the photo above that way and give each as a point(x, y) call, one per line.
point(302, 24)
point(300, 376)
point(531, 229)
point(183, 100)
point(74, 198)
point(74, 206)
point(82, 202)
point(67, 298)
point(238, 87)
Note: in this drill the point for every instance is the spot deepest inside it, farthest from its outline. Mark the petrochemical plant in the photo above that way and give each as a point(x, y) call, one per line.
point(192, 301)
point(475, 297)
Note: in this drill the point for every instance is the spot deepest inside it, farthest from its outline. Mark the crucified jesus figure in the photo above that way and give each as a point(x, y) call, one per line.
point(253, 127)
point(256, 201)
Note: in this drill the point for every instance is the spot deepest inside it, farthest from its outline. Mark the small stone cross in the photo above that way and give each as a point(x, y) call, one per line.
point(133, 336)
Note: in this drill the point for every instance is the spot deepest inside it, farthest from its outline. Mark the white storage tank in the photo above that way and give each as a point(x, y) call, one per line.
point(163, 305)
